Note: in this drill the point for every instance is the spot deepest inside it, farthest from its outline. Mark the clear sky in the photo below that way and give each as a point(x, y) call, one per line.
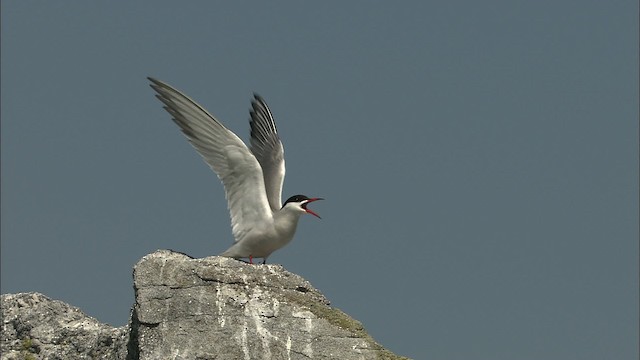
point(479, 160)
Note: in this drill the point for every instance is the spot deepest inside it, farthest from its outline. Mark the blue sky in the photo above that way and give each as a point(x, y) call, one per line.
point(479, 160)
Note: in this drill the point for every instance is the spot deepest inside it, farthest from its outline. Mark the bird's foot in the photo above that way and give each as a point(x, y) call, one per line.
point(264, 260)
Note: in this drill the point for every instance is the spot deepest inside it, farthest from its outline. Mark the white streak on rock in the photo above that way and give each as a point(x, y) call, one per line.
point(308, 317)
point(221, 304)
point(288, 347)
point(260, 309)
point(308, 349)
point(245, 346)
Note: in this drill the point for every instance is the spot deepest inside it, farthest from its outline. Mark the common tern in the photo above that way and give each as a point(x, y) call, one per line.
point(252, 177)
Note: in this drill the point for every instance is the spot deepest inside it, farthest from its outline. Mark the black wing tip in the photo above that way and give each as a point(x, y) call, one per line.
point(157, 85)
point(258, 102)
point(154, 81)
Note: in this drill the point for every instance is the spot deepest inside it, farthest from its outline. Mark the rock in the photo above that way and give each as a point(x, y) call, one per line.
point(36, 327)
point(185, 308)
point(217, 307)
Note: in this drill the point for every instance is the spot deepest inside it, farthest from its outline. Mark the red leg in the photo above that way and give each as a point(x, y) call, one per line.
point(250, 259)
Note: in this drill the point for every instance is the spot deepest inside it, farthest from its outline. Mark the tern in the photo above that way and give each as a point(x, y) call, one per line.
point(252, 177)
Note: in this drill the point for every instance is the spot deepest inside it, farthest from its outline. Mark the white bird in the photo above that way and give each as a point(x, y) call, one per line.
point(252, 178)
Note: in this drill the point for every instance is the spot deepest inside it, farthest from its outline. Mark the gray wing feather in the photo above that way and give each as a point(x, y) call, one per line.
point(226, 154)
point(268, 149)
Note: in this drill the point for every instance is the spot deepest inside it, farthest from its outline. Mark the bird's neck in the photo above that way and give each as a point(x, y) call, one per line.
point(286, 221)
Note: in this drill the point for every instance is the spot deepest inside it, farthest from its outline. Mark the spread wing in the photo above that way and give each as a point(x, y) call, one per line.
point(226, 154)
point(268, 149)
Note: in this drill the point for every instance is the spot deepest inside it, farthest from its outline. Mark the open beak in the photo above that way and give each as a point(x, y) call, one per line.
point(304, 206)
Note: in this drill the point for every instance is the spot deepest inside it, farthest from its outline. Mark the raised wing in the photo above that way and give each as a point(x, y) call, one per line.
point(226, 154)
point(267, 148)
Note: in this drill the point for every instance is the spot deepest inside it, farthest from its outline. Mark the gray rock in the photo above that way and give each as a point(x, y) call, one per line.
point(36, 327)
point(220, 308)
point(211, 308)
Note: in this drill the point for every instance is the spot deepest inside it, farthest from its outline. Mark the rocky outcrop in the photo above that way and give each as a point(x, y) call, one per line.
point(211, 308)
point(36, 327)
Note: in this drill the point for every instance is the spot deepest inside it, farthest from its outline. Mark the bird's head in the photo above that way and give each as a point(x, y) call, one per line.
point(300, 202)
